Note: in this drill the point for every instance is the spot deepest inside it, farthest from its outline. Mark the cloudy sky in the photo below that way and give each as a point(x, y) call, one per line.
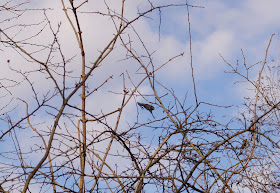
point(218, 28)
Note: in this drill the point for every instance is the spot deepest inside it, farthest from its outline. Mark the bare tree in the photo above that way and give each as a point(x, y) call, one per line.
point(80, 120)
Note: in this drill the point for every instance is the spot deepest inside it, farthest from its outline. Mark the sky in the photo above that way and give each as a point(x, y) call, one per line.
point(218, 28)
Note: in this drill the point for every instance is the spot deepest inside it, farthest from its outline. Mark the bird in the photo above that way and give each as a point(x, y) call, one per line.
point(147, 107)
point(244, 144)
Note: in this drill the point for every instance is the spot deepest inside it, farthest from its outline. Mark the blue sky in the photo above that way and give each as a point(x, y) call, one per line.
point(219, 27)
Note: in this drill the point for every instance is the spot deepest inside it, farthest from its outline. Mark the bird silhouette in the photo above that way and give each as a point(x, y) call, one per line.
point(147, 107)
point(244, 144)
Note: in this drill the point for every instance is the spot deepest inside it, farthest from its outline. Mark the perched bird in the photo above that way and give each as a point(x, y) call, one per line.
point(244, 144)
point(147, 107)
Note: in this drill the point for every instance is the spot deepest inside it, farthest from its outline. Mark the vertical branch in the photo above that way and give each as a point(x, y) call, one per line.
point(191, 60)
point(259, 81)
point(83, 156)
point(254, 126)
point(78, 34)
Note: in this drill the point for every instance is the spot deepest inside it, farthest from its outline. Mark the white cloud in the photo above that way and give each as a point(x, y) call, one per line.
point(218, 28)
point(207, 60)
